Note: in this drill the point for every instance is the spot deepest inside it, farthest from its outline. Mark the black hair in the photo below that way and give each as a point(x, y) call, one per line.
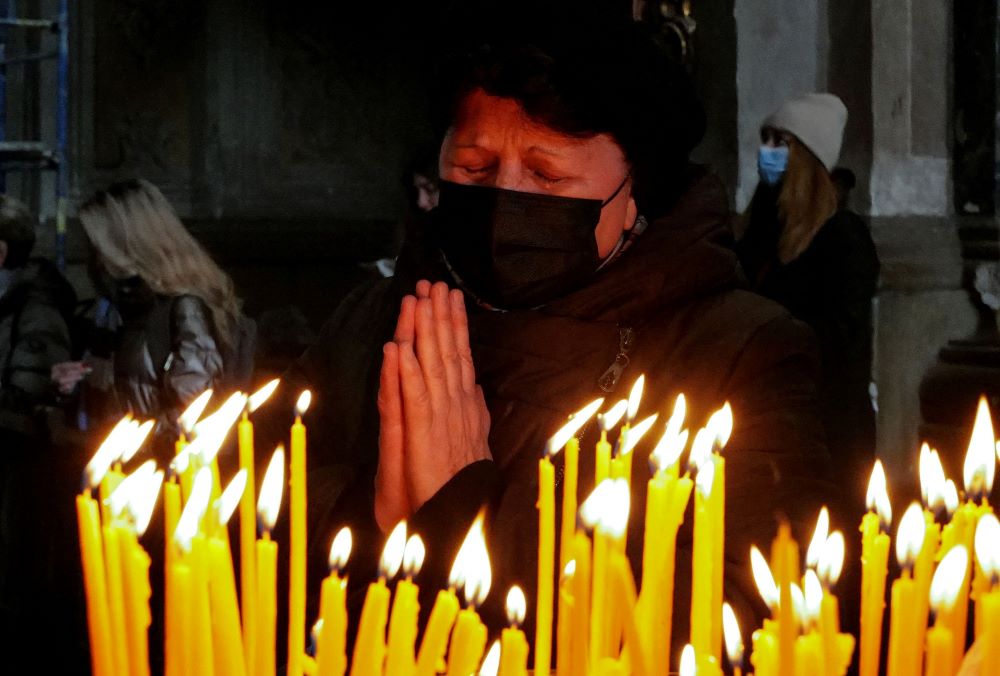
point(587, 76)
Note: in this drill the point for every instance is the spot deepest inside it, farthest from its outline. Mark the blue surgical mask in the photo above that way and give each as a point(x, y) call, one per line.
point(771, 163)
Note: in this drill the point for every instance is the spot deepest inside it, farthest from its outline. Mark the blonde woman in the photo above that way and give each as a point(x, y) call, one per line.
point(179, 315)
point(803, 249)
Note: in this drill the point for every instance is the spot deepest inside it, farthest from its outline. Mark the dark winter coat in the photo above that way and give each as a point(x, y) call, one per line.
point(671, 303)
point(34, 335)
point(829, 287)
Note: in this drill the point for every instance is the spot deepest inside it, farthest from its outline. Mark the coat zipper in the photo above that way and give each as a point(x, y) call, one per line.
point(609, 379)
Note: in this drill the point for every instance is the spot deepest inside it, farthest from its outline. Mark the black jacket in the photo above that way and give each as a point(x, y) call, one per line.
point(34, 335)
point(829, 287)
point(694, 332)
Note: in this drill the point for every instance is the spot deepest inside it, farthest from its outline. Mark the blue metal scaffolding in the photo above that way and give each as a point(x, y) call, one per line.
point(35, 155)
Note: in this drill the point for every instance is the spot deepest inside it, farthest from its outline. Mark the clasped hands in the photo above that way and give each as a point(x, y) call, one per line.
point(433, 417)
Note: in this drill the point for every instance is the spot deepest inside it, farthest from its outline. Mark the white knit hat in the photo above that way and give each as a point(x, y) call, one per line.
point(817, 120)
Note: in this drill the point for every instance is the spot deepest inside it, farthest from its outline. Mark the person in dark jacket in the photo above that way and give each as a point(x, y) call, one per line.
point(804, 249)
point(573, 249)
point(173, 312)
point(36, 304)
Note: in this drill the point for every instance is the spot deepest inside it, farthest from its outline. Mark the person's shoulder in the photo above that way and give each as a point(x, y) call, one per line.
point(361, 308)
point(43, 283)
point(845, 228)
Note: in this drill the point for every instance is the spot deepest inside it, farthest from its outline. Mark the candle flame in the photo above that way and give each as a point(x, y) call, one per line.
point(676, 422)
point(572, 427)
point(478, 575)
point(569, 570)
point(948, 578)
point(813, 594)
point(491, 663)
point(764, 579)
point(614, 519)
point(211, 432)
point(193, 412)
point(721, 425)
point(121, 498)
point(230, 498)
point(194, 510)
point(980, 460)
point(613, 416)
point(635, 398)
point(340, 549)
point(669, 449)
point(910, 536)
point(392, 553)
point(302, 405)
point(135, 440)
point(877, 498)
point(258, 398)
point(705, 479)
point(950, 495)
point(107, 452)
point(269, 501)
point(732, 636)
point(517, 606)
point(595, 505)
point(988, 545)
point(689, 663)
point(701, 449)
point(413, 556)
point(831, 560)
point(144, 501)
point(799, 606)
point(456, 578)
point(636, 433)
point(818, 541)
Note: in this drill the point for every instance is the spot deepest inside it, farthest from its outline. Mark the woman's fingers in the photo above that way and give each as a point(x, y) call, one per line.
point(392, 501)
point(460, 331)
point(423, 289)
point(444, 328)
point(404, 324)
point(428, 355)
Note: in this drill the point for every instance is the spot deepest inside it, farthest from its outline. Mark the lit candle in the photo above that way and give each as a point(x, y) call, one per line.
point(988, 557)
point(721, 426)
point(248, 525)
point(903, 659)
point(733, 639)
point(564, 631)
point(546, 564)
point(689, 661)
point(931, 490)
point(469, 638)
point(703, 561)
point(874, 566)
point(667, 497)
point(227, 637)
point(331, 644)
point(567, 437)
point(943, 594)
point(580, 621)
point(838, 648)
point(369, 648)
point(184, 464)
point(785, 561)
point(809, 656)
point(435, 640)
point(513, 644)
point(607, 422)
point(297, 540)
point(268, 505)
point(624, 586)
point(491, 663)
point(765, 657)
point(591, 514)
point(400, 656)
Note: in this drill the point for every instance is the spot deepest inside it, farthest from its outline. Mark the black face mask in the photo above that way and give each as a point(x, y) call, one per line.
point(517, 250)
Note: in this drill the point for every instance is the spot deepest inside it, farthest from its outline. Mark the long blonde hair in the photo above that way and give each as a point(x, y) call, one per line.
point(807, 200)
point(136, 232)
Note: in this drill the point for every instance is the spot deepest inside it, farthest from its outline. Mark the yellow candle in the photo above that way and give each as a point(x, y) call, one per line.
point(370, 647)
point(116, 597)
point(297, 541)
point(248, 536)
point(592, 511)
point(226, 634)
point(626, 595)
point(467, 644)
point(808, 654)
point(785, 557)
point(580, 621)
point(874, 567)
point(607, 421)
point(564, 623)
point(667, 497)
point(204, 648)
point(400, 656)
point(95, 585)
point(939, 651)
point(267, 566)
point(513, 644)
point(435, 640)
point(943, 594)
point(987, 542)
point(135, 573)
point(267, 606)
point(566, 437)
point(903, 659)
point(717, 509)
point(733, 639)
point(472, 565)
point(703, 562)
point(765, 650)
point(331, 645)
point(179, 644)
point(546, 566)
point(923, 569)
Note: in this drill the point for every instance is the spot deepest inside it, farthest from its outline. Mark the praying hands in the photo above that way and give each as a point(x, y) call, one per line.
point(434, 420)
